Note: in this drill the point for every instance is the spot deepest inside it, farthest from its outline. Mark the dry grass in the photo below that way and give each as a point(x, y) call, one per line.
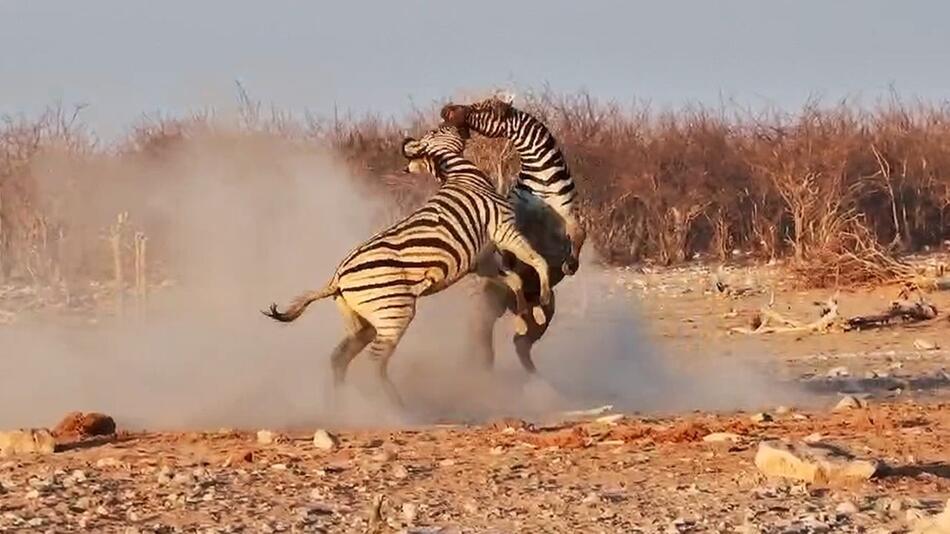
point(841, 191)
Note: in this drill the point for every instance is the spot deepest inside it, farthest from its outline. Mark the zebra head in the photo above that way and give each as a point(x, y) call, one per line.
point(433, 151)
point(491, 117)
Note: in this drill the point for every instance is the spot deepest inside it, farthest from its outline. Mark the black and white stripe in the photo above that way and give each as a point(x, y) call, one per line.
point(456, 232)
point(544, 196)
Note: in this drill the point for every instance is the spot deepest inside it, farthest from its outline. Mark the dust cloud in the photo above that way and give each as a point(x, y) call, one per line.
point(245, 221)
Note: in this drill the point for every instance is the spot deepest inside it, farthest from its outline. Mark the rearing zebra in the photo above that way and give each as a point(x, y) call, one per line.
point(456, 232)
point(543, 196)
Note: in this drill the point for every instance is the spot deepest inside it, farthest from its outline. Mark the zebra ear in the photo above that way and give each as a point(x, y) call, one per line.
point(506, 97)
point(501, 108)
point(411, 148)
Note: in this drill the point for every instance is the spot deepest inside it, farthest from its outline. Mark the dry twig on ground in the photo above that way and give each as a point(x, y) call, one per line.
point(903, 309)
point(764, 323)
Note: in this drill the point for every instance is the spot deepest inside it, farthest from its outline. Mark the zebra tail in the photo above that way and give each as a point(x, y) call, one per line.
point(300, 303)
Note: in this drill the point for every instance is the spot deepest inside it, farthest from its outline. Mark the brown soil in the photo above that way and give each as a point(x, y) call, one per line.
point(637, 473)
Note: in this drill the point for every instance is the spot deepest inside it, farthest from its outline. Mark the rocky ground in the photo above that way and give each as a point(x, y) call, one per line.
point(587, 472)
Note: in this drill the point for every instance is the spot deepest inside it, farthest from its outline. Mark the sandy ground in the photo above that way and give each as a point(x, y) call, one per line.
point(647, 471)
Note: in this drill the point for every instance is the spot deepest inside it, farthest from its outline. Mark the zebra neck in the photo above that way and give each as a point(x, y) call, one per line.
point(544, 172)
point(456, 168)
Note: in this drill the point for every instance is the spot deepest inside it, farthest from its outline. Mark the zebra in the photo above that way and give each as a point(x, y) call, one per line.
point(544, 198)
point(457, 231)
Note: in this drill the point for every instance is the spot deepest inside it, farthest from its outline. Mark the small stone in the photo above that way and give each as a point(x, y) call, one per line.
point(923, 344)
point(409, 512)
point(609, 419)
point(812, 463)
point(239, 457)
point(107, 462)
point(894, 506)
point(938, 524)
point(399, 471)
point(164, 475)
point(265, 437)
point(383, 456)
point(591, 498)
point(836, 372)
point(323, 440)
point(814, 437)
point(914, 514)
point(846, 508)
point(33, 494)
point(719, 437)
point(761, 417)
point(850, 402)
point(278, 467)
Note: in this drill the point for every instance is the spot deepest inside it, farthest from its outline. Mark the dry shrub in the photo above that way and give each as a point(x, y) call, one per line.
point(840, 190)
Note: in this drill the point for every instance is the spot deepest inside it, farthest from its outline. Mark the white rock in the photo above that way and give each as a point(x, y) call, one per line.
point(850, 402)
point(324, 440)
point(107, 462)
point(409, 512)
point(399, 471)
point(265, 437)
point(846, 508)
point(923, 344)
point(25, 441)
point(718, 437)
point(811, 463)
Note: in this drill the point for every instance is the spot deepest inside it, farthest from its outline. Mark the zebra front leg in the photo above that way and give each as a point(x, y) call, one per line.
point(577, 236)
point(534, 331)
point(523, 250)
point(491, 304)
point(497, 273)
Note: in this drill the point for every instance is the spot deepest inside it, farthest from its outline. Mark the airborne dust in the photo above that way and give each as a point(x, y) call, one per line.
point(243, 221)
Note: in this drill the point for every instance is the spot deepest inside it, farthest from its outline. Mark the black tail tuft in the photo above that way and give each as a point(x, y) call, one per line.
point(276, 315)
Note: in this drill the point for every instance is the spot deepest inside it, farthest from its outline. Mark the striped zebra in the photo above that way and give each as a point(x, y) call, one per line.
point(458, 231)
point(544, 198)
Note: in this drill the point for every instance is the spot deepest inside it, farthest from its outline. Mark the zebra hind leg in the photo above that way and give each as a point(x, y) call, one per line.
point(359, 334)
point(389, 331)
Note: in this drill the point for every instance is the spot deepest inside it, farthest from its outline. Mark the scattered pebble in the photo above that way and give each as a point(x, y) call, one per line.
point(323, 440)
point(850, 402)
point(265, 437)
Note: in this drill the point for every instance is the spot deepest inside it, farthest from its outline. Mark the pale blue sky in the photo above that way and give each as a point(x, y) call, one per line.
point(126, 57)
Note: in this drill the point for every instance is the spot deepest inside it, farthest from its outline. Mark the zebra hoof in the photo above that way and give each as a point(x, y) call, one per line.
point(521, 327)
point(539, 316)
point(569, 267)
